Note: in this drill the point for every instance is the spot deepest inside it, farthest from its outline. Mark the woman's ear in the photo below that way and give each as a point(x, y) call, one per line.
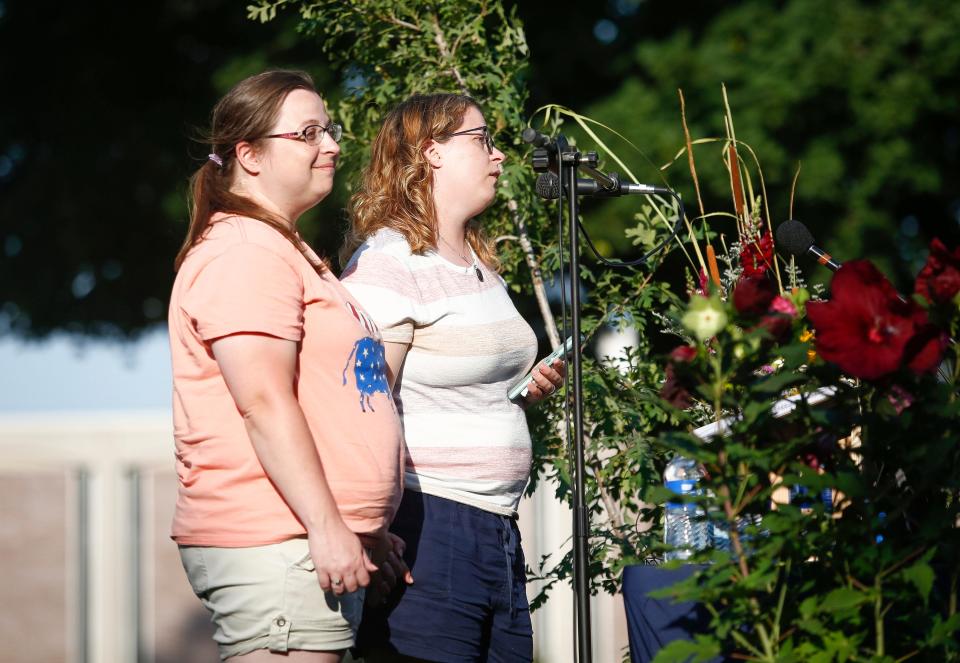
point(248, 157)
point(432, 153)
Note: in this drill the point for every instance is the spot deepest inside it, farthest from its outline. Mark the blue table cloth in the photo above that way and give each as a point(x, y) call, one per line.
point(651, 622)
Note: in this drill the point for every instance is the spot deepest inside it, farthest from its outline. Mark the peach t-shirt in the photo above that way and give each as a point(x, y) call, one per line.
point(245, 277)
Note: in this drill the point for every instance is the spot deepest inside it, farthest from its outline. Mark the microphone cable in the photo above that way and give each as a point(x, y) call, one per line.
point(649, 254)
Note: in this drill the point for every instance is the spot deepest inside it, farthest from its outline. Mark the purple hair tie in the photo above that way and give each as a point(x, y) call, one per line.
point(216, 158)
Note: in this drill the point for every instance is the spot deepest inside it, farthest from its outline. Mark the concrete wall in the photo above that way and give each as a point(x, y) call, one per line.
point(88, 573)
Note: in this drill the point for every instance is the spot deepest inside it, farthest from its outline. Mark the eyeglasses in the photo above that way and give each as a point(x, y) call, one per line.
point(313, 134)
point(484, 131)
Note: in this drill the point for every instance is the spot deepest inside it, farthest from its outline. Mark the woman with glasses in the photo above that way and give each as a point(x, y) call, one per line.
point(288, 443)
point(425, 271)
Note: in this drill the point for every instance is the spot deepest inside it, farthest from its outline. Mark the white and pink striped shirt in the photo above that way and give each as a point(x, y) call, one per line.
point(467, 345)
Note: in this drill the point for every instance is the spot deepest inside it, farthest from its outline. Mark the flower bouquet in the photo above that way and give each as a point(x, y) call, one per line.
point(871, 573)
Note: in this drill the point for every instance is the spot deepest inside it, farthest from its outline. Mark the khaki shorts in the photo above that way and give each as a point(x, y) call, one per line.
point(268, 597)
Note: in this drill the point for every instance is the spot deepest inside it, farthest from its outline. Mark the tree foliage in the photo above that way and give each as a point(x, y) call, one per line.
point(861, 96)
point(95, 151)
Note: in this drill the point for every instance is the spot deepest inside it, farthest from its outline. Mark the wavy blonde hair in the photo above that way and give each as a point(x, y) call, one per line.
point(396, 189)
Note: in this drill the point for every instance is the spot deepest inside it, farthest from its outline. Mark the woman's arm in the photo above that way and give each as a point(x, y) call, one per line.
point(395, 354)
point(260, 371)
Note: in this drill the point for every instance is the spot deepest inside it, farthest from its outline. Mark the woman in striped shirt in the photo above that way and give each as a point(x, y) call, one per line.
point(422, 267)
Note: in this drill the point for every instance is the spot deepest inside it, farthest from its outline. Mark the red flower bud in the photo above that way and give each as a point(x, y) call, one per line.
point(683, 354)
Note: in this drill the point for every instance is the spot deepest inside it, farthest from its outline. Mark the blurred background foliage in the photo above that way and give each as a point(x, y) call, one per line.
point(100, 102)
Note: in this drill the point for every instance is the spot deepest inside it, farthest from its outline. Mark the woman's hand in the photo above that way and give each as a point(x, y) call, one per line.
point(546, 380)
point(341, 562)
point(388, 555)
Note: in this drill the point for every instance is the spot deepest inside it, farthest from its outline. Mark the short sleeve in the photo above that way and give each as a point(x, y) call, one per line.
point(386, 289)
point(247, 288)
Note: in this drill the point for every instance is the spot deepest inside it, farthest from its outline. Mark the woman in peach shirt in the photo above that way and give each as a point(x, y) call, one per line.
point(288, 443)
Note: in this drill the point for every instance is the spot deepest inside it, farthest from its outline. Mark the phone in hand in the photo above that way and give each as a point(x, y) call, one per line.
point(521, 387)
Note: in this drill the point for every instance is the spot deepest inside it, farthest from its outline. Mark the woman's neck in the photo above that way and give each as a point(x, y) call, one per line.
point(263, 201)
point(454, 234)
point(451, 220)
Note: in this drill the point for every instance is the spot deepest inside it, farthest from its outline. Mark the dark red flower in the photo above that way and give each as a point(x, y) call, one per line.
point(776, 324)
point(753, 295)
point(756, 296)
point(939, 280)
point(756, 256)
point(676, 389)
point(868, 330)
point(924, 351)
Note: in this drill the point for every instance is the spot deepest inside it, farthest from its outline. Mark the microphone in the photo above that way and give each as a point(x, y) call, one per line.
point(548, 186)
point(798, 241)
point(538, 139)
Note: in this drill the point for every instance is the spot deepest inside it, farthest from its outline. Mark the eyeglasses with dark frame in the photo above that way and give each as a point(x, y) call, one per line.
point(313, 134)
point(485, 132)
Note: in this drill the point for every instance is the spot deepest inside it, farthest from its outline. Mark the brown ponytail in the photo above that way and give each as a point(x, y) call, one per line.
point(246, 113)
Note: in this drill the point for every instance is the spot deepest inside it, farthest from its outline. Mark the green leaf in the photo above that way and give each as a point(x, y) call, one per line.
point(777, 383)
point(808, 607)
point(921, 576)
point(842, 598)
point(701, 649)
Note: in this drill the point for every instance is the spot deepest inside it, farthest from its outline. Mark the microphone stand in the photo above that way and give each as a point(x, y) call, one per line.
point(557, 155)
point(568, 159)
point(581, 519)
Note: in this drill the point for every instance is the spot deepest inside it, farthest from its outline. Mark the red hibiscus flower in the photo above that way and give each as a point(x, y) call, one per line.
point(756, 256)
point(868, 331)
point(939, 280)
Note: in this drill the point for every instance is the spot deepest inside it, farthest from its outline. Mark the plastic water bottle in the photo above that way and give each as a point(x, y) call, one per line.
point(684, 525)
point(719, 534)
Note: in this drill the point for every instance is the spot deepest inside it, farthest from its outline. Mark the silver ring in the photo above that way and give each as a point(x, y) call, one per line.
point(336, 583)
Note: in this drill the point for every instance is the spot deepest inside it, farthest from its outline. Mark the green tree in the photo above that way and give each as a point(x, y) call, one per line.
point(95, 152)
point(864, 95)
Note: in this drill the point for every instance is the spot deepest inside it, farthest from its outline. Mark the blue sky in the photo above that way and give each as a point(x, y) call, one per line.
point(69, 374)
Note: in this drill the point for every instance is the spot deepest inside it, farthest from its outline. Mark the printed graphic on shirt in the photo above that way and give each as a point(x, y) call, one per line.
point(369, 370)
point(364, 320)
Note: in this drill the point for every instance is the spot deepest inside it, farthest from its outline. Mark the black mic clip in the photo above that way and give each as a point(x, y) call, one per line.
point(547, 149)
point(540, 160)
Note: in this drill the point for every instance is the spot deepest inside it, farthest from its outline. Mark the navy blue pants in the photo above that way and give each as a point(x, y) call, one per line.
point(468, 602)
